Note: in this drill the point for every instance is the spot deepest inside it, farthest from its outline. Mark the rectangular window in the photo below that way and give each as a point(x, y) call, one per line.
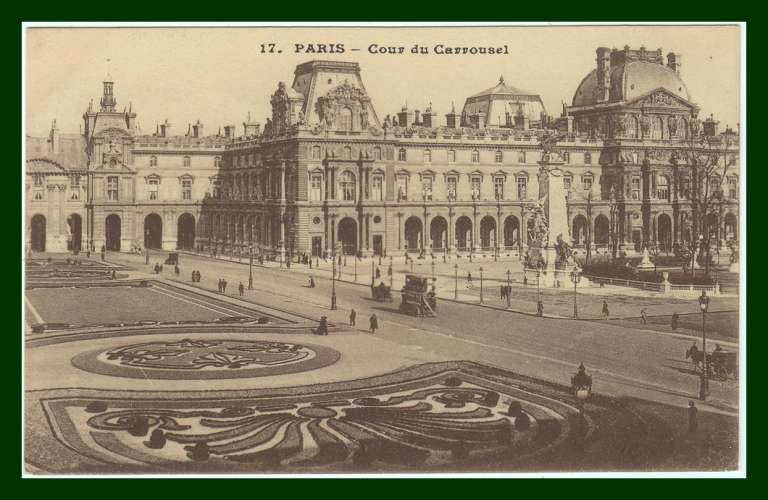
point(499, 157)
point(587, 158)
point(635, 188)
point(427, 156)
point(521, 157)
point(567, 182)
point(566, 157)
point(402, 187)
point(426, 188)
point(522, 188)
point(451, 187)
point(498, 188)
point(451, 156)
point(113, 185)
point(475, 156)
point(186, 189)
point(733, 188)
point(39, 180)
point(377, 188)
point(475, 184)
point(316, 188)
point(153, 187)
point(586, 183)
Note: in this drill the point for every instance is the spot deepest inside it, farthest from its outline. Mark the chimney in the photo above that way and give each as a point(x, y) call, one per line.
point(165, 128)
point(250, 129)
point(229, 131)
point(404, 117)
point(603, 74)
point(709, 126)
point(197, 130)
point(674, 62)
point(417, 117)
point(54, 138)
point(450, 118)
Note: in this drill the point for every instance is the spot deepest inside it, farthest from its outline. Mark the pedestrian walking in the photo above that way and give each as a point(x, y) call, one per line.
point(241, 288)
point(311, 282)
point(224, 286)
point(644, 315)
point(693, 423)
point(675, 319)
point(378, 273)
point(469, 278)
point(176, 270)
point(194, 275)
point(352, 316)
point(605, 310)
point(322, 328)
point(374, 323)
point(540, 309)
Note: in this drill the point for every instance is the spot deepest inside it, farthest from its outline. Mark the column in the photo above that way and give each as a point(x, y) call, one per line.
point(282, 182)
point(450, 230)
point(475, 232)
point(522, 232)
point(399, 231)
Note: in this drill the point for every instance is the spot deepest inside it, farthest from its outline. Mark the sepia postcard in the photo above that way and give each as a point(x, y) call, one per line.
point(384, 249)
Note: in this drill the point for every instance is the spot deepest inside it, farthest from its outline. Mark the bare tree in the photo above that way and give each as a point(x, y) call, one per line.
point(708, 159)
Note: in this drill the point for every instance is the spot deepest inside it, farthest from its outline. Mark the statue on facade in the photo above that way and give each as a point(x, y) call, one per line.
point(364, 118)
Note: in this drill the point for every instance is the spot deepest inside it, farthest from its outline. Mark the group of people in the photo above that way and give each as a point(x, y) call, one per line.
point(195, 276)
point(222, 285)
point(373, 323)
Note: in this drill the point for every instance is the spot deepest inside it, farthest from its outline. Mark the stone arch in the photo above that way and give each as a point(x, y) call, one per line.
point(414, 229)
point(153, 231)
point(438, 232)
point(579, 230)
point(488, 232)
point(602, 230)
point(75, 227)
point(348, 235)
point(38, 233)
point(185, 229)
point(112, 232)
point(731, 227)
point(664, 230)
point(511, 231)
point(463, 233)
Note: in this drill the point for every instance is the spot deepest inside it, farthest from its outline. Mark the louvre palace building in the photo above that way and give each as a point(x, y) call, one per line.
point(329, 172)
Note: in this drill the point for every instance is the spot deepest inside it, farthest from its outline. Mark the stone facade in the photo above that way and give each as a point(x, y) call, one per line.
point(326, 173)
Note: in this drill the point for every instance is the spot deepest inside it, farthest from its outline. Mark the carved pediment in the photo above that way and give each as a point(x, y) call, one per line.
point(661, 98)
point(345, 107)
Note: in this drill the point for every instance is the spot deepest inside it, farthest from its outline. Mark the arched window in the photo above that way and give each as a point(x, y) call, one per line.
point(345, 119)
point(499, 156)
point(347, 185)
point(187, 161)
point(427, 156)
point(401, 154)
point(316, 187)
point(522, 187)
point(153, 161)
point(377, 187)
point(475, 156)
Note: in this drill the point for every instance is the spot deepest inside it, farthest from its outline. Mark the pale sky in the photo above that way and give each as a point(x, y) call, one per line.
point(218, 75)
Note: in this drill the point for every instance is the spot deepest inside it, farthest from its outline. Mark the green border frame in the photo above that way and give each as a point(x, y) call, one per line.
point(364, 11)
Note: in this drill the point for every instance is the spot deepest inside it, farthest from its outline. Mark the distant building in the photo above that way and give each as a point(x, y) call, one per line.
point(326, 172)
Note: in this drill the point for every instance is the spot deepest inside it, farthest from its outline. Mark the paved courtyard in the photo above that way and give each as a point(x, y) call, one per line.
point(172, 376)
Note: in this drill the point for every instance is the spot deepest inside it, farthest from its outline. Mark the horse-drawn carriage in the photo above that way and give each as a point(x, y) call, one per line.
point(381, 292)
point(417, 298)
point(721, 363)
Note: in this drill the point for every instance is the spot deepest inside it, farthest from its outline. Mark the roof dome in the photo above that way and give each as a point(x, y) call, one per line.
point(630, 81)
point(494, 103)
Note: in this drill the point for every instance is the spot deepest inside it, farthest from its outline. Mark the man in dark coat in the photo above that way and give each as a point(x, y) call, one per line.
point(374, 323)
point(322, 328)
point(693, 422)
point(540, 308)
point(224, 286)
point(241, 288)
point(352, 317)
point(675, 319)
point(605, 310)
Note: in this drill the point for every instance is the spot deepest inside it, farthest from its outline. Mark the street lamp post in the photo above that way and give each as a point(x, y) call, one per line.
point(575, 277)
point(373, 273)
point(704, 382)
point(391, 273)
point(250, 268)
point(355, 268)
point(538, 285)
point(481, 285)
point(333, 281)
point(509, 290)
point(433, 267)
point(456, 285)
